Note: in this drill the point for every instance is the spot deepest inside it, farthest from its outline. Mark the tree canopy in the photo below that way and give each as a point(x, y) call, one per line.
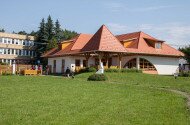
point(2, 30)
point(186, 51)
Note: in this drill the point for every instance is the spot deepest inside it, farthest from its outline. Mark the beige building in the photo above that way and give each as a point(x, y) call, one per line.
point(15, 48)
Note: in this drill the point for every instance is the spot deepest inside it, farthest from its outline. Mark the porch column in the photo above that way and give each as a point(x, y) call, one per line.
point(120, 57)
point(137, 63)
point(107, 58)
point(87, 56)
point(100, 55)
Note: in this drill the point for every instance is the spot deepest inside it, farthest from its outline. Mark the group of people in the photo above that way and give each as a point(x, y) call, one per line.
point(36, 67)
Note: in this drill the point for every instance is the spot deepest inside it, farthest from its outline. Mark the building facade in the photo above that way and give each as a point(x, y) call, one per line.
point(15, 48)
point(132, 50)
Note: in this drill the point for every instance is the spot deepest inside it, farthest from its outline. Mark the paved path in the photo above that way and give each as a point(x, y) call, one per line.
point(186, 95)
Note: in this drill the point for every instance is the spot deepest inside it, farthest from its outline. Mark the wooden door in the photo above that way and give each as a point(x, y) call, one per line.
point(63, 66)
point(54, 66)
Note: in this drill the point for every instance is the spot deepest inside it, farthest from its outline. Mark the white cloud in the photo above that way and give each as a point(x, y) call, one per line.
point(114, 6)
point(117, 28)
point(172, 33)
point(152, 8)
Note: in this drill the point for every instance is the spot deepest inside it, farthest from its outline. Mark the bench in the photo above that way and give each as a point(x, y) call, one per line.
point(32, 72)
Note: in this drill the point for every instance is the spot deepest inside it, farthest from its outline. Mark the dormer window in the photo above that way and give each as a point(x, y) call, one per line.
point(158, 45)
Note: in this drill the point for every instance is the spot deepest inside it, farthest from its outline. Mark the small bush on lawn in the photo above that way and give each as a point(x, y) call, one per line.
point(97, 77)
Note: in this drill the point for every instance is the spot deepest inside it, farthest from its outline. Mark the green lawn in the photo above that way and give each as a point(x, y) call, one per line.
point(127, 98)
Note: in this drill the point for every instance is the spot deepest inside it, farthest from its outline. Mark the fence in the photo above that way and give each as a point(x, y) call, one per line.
point(7, 69)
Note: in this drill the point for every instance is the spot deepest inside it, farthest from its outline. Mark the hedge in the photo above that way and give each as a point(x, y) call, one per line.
point(123, 70)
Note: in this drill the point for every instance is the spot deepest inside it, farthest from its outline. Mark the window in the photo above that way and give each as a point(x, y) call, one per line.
point(16, 41)
point(16, 51)
point(13, 41)
point(84, 63)
point(54, 63)
point(31, 43)
point(131, 64)
point(1, 51)
point(5, 40)
point(1, 40)
point(158, 45)
point(29, 53)
point(26, 52)
point(24, 43)
point(28, 43)
point(12, 52)
point(20, 52)
point(9, 41)
point(146, 65)
point(5, 51)
point(77, 62)
point(9, 51)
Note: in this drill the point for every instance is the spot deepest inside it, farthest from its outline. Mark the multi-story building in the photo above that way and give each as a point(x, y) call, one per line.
point(15, 48)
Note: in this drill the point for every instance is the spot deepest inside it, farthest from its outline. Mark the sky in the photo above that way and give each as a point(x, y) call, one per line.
point(168, 20)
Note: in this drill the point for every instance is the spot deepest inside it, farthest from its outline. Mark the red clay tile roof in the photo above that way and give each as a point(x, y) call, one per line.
point(77, 43)
point(141, 45)
point(104, 40)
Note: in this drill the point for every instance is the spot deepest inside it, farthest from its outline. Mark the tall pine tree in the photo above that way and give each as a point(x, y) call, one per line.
point(49, 28)
point(42, 34)
point(58, 31)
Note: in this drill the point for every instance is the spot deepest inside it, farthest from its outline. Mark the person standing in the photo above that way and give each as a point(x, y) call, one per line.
point(68, 71)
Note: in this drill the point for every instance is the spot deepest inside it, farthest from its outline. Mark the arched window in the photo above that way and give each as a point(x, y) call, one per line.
point(144, 64)
point(131, 64)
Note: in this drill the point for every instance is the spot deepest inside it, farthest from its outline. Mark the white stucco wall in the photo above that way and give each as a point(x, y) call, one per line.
point(164, 65)
point(69, 61)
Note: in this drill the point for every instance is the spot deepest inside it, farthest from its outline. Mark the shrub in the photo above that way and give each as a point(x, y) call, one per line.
point(97, 77)
point(112, 70)
point(131, 70)
point(2, 63)
point(123, 70)
point(6, 73)
point(184, 74)
point(91, 69)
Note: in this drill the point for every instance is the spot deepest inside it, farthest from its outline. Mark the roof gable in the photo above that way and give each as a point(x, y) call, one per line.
point(104, 40)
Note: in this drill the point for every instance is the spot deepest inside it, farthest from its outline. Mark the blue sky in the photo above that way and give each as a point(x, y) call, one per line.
point(168, 20)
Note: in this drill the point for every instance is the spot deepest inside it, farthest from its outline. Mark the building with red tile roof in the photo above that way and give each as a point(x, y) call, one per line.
point(137, 49)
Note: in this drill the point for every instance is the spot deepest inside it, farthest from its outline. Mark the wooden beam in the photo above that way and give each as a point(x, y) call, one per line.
point(120, 55)
point(87, 56)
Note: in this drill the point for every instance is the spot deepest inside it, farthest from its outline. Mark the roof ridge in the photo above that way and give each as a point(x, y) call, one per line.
point(128, 33)
point(101, 35)
point(115, 37)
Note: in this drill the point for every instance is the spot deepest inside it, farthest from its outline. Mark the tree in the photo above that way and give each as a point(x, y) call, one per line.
point(186, 51)
point(67, 34)
point(49, 28)
point(42, 34)
point(33, 33)
point(2, 30)
point(22, 32)
point(58, 31)
point(51, 44)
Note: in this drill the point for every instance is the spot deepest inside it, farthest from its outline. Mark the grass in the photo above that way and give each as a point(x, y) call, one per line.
point(127, 98)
